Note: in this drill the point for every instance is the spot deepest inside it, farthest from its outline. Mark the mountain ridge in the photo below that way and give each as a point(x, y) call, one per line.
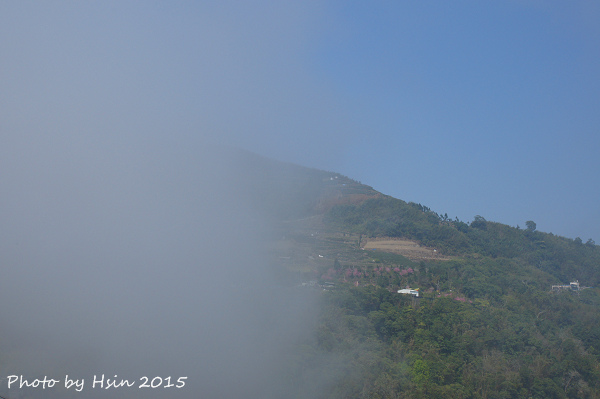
point(348, 204)
point(487, 322)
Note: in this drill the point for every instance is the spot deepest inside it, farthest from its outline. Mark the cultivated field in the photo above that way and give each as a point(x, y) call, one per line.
point(411, 249)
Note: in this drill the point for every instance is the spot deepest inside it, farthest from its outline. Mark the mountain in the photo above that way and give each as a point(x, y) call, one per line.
point(257, 278)
point(502, 312)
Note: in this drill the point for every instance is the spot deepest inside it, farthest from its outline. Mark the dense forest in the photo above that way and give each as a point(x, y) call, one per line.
point(384, 345)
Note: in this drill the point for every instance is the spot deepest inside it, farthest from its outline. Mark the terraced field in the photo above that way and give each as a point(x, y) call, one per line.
point(411, 249)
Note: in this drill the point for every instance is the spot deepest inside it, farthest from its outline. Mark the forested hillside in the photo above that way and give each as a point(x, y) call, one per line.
point(486, 323)
point(560, 257)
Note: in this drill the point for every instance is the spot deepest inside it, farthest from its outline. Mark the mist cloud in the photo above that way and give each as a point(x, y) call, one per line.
point(127, 241)
point(140, 262)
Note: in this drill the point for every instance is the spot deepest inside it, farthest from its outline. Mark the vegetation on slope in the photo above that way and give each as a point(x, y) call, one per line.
point(395, 346)
point(560, 257)
point(485, 325)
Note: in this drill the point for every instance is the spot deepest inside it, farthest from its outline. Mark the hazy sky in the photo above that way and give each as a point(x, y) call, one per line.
point(468, 107)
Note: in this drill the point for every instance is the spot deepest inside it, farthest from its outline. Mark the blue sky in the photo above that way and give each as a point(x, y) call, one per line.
point(472, 108)
point(468, 107)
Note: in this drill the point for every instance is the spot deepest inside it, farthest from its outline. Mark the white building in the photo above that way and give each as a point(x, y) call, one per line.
point(574, 286)
point(409, 291)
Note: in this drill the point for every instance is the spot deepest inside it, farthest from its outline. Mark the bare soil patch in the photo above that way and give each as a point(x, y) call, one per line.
point(411, 249)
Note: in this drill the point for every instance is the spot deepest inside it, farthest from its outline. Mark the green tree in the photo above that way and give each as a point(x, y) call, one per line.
point(531, 226)
point(479, 222)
